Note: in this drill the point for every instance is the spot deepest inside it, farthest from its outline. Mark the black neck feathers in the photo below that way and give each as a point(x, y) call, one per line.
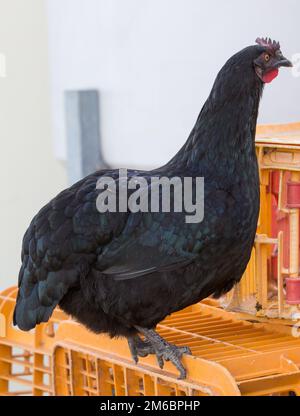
point(224, 134)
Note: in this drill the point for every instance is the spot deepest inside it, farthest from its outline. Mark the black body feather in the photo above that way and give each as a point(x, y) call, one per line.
point(116, 270)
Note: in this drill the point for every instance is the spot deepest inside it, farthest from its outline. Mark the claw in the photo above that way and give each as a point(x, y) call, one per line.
point(160, 361)
point(173, 354)
point(133, 351)
point(165, 351)
point(186, 350)
point(139, 348)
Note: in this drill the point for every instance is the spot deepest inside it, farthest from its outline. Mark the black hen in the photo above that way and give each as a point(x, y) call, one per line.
point(122, 273)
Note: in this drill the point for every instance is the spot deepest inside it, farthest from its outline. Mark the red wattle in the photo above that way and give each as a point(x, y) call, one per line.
point(270, 75)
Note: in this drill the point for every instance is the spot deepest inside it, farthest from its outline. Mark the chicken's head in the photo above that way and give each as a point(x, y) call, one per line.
point(270, 60)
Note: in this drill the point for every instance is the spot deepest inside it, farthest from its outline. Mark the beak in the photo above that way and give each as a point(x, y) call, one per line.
point(283, 62)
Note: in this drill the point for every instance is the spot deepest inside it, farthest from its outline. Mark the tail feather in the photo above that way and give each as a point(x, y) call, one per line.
point(29, 312)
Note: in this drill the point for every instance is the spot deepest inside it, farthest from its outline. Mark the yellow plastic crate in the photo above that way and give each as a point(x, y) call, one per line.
point(230, 357)
point(259, 294)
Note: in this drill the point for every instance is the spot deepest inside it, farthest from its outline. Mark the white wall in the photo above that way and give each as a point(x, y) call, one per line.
point(29, 173)
point(154, 62)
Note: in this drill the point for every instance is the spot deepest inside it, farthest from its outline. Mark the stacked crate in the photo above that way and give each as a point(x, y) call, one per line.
point(231, 357)
point(270, 287)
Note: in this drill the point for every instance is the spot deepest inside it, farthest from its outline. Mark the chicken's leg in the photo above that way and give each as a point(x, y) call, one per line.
point(139, 348)
point(165, 351)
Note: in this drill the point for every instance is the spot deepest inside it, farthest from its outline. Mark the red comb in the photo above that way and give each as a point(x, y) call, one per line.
point(268, 43)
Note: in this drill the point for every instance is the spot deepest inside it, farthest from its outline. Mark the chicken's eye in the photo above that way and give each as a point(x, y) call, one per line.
point(267, 57)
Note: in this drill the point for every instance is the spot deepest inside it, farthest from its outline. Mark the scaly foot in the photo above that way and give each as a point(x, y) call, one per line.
point(139, 348)
point(165, 351)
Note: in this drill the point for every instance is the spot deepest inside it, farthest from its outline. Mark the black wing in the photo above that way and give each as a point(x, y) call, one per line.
point(61, 243)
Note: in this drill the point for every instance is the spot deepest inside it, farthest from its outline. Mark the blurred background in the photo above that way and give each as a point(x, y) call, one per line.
point(84, 83)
